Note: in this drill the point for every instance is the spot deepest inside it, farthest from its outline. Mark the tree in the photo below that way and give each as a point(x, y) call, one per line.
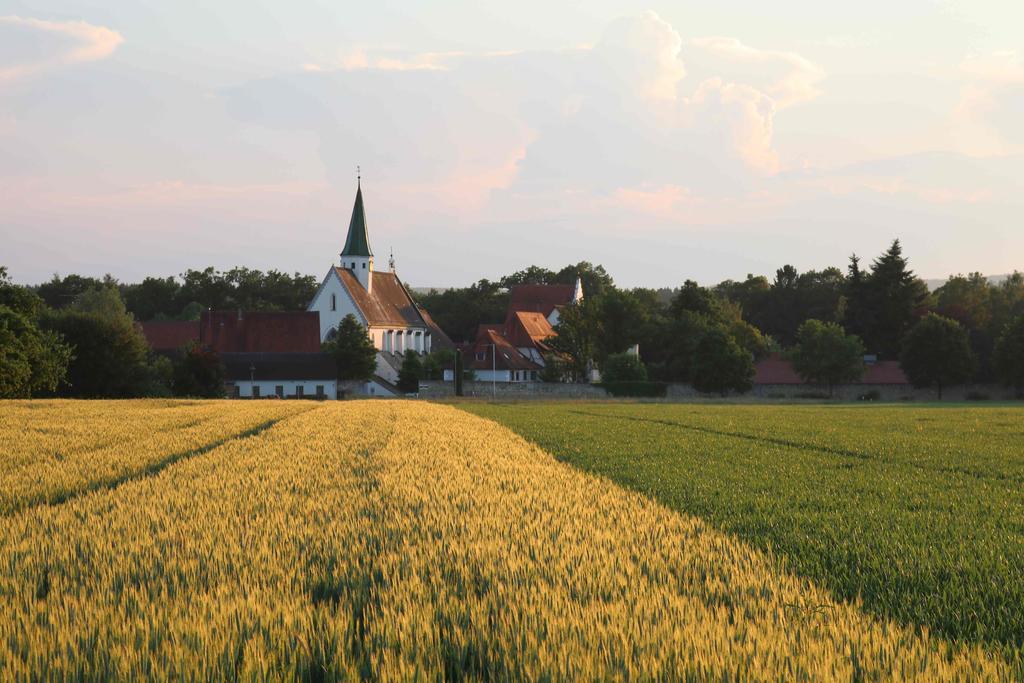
point(721, 366)
point(59, 292)
point(936, 352)
point(623, 367)
point(410, 372)
point(199, 372)
point(33, 361)
point(896, 298)
point(534, 275)
point(1009, 355)
point(577, 331)
point(595, 279)
point(825, 354)
point(353, 351)
point(434, 364)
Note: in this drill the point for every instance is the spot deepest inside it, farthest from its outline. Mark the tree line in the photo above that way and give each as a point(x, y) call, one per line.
point(76, 336)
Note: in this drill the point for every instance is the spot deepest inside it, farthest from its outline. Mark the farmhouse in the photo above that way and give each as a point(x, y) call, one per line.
point(514, 351)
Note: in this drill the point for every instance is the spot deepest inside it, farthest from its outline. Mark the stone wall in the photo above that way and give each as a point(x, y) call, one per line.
point(685, 392)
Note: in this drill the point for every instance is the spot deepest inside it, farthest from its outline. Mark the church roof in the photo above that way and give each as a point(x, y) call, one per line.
point(358, 242)
point(387, 302)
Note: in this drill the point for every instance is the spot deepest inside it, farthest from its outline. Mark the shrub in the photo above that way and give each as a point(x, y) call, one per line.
point(623, 367)
point(636, 389)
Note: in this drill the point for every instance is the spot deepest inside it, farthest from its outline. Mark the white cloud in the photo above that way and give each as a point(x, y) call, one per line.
point(86, 43)
point(786, 77)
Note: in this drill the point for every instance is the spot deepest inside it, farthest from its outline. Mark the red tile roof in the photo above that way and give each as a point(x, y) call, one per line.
point(267, 332)
point(539, 298)
point(529, 329)
point(438, 339)
point(388, 303)
point(777, 370)
point(507, 358)
point(170, 335)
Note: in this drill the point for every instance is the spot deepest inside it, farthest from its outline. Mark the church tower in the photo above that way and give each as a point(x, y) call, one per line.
point(356, 256)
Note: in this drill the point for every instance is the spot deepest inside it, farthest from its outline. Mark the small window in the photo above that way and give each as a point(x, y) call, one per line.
point(481, 355)
point(320, 390)
point(364, 265)
point(353, 265)
point(334, 302)
point(255, 390)
point(299, 391)
point(279, 390)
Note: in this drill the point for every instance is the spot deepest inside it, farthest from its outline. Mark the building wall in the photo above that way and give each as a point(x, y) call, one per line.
point(268, 388)
point(330, 318)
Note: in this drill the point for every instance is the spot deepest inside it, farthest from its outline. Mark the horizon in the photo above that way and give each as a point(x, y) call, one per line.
point(666, 144)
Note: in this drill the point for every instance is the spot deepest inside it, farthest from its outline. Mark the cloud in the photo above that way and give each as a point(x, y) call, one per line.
point(786, 77)
point(78, 42)
point(986, 119)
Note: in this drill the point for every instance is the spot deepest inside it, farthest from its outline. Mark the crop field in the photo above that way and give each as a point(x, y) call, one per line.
point(396, 540)
point(918, 512)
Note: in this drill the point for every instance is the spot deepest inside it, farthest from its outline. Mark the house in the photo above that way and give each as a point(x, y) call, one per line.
point(169, 336)
point(378, 300)
point(280, 374)
point(515, 351)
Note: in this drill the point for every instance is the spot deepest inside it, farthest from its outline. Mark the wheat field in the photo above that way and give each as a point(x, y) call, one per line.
point(397, 541)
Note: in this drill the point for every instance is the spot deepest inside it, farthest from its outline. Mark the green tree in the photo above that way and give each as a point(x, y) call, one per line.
point(1009, 356)
point(59, 292)
point(410, 373)
point(153, 298)
point(936, 352)
point(534, 275)
point(353, 351)
point(33, 361)
point(578, 330)
point(435, 363)
point(199, 373)
point(896, 298)
point(825, 354)
point(623, 367)
point(721, 366)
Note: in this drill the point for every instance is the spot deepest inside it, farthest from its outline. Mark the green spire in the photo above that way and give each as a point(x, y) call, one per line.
point(357, 243)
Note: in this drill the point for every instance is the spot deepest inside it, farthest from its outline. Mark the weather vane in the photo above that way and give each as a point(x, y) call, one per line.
point(359, 174)
point(391, 259)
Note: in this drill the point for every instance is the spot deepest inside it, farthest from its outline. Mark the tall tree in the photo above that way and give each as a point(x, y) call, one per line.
point(578, 330)
point(936, 352)
point(595, 279)
point(1009, 355)
point(896, 298)
point(353, 350)
point(825, 354)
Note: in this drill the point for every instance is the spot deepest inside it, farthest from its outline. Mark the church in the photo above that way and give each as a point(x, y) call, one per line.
point(378, 300)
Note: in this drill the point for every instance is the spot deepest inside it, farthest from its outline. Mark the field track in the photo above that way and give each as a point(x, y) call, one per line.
point(400, 540)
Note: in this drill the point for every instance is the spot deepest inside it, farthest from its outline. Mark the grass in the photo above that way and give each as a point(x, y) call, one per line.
point(917, 511)
point(398, 540)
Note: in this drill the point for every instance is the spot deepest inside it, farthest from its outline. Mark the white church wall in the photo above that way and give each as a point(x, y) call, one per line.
point(333, 310)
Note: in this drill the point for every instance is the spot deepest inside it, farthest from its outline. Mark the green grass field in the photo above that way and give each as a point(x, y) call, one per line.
point(917, 510)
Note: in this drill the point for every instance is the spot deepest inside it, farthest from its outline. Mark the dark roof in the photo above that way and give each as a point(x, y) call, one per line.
point(357, 243)
point(508, 357)
point(170, 335)
point(387, 302)
point(539, 298)
point(438, 339)
point(264, 331)
point(778, 370)
point(279, 366)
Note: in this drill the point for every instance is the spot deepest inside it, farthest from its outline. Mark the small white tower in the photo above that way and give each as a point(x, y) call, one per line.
point(357, 256)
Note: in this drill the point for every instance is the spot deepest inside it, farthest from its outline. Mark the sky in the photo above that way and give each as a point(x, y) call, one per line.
point(665, 140)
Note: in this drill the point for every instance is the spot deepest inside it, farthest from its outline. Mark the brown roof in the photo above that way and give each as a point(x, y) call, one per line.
point(261, 332)
point(508, 357)
point(529, 329)
point(438, 339)
point(388, 303)
point(539, 298)
point(170, 335)
point(778, 370)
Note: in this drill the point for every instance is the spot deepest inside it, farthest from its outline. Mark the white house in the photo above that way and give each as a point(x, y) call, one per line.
point(378, 300)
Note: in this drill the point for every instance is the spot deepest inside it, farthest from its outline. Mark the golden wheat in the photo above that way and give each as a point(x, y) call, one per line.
point(51, 450)
point(402, 541)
